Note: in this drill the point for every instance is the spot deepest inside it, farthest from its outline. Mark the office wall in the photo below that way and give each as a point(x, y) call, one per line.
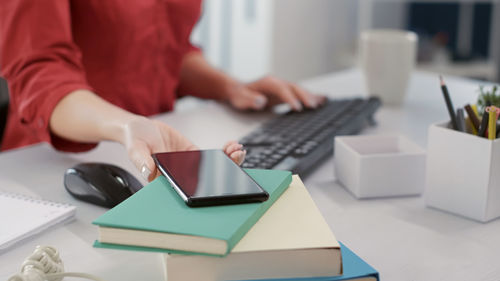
point(389, 14)
point(293, 39)
point(313, 37)
point(495, 39)
point(236, 36)
point(297, 39)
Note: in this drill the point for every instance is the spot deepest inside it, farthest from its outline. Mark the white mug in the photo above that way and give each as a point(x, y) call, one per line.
point(387, 58)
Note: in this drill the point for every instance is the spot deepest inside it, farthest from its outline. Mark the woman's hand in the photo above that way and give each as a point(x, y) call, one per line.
point(199, 78)
point(235, 151)
point(269, 91)
point(143, 137)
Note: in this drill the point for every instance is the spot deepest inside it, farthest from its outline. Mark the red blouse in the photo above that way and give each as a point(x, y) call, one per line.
point(128, 52)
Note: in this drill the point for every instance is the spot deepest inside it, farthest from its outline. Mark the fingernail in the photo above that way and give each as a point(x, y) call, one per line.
point(145, 172)
point(260, 101)
point(297, 106)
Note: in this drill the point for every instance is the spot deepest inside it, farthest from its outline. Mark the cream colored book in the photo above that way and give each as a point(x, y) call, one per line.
point(290, 240)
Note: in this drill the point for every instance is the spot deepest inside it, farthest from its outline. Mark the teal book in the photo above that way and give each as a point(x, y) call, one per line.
point(157, 219)
point(354, 269)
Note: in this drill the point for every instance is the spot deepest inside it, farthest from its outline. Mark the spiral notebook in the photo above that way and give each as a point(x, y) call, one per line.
point(23, 216)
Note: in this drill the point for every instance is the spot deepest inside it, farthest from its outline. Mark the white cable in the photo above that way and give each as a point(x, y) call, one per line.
point(45, 264)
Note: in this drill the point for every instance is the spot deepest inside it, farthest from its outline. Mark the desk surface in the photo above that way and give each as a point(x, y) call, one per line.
point(400, 237)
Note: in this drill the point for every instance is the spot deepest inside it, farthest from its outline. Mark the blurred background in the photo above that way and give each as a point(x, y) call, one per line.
point(298, 39)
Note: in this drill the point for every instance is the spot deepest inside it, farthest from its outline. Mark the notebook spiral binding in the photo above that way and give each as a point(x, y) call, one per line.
point(33, 199)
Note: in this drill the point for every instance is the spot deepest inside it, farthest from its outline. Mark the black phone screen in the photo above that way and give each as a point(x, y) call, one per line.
point(208, 177)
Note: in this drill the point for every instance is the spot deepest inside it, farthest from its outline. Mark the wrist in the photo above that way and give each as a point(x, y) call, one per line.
point(231, 89)
point(118, 129)
point(82, 116)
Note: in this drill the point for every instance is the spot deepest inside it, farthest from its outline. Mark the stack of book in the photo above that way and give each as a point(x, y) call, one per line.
point(284, 238)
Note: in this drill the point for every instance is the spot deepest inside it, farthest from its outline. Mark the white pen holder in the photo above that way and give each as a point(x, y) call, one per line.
point(463, 173)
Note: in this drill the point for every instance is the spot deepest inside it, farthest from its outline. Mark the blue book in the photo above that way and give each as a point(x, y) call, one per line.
point(354, 268)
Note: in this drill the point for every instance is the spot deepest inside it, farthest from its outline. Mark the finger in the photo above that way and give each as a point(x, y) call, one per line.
point(233, 148)
point(305, 97)
point(321, 99)
point(140, 155)
point(287, 96)
point(229, 143)
point(249, 99)
point(258, 100)
point(238, 156)
point(276, 87)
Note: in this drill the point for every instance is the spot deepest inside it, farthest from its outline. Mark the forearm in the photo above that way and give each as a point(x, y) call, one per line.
point(199, 78)
point(82, 116)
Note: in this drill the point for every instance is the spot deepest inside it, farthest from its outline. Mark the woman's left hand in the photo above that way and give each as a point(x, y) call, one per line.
point(269, 91)
point(235, 151)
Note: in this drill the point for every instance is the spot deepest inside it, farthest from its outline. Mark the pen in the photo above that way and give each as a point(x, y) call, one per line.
point(449, 105)
point(473, 118)
point(460, 120)
point(484, 124)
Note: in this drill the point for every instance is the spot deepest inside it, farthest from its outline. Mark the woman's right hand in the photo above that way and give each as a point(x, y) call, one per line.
point(143, 137)
point(82, 116)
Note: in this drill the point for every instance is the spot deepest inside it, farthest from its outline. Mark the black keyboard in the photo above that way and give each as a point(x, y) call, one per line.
point(298, 141)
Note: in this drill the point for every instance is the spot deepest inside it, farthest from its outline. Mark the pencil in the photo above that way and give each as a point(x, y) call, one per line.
point(473, 119)
point(474, 108)
point(494, 112)
point(449, 105)
point(492, 124)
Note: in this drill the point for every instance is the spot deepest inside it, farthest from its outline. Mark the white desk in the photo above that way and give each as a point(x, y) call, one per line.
point(400, 237)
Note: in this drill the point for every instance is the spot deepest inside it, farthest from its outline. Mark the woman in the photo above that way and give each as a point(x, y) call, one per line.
point(82, 71)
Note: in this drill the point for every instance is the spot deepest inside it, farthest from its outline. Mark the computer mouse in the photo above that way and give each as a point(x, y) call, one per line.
point(100, 183)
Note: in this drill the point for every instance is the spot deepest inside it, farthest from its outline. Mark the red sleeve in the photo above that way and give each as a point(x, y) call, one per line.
point(194, 48)
point(191, 48)
point(41, 62)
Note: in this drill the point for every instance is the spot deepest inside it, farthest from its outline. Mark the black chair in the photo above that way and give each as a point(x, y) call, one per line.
point(4, 106)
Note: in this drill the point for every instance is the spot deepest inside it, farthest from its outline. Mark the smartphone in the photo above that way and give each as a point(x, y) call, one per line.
point(208, 178)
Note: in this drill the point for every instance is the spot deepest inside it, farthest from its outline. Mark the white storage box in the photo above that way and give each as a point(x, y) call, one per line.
point(463, 173)
point(379, 166)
